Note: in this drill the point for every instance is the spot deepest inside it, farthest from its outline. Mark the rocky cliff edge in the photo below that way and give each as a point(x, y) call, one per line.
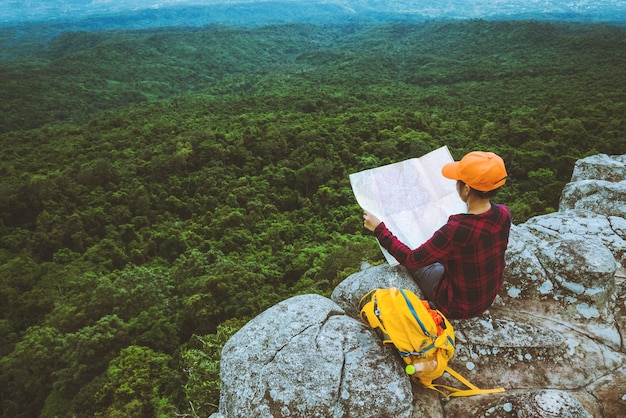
point(554, 338)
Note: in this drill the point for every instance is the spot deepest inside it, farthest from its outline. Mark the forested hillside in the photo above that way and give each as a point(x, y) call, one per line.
point(161, 187)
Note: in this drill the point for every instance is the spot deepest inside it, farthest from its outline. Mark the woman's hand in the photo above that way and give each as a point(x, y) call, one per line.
point(371, 221)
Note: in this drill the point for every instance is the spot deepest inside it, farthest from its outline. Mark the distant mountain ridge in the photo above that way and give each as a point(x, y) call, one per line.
point(15, 12)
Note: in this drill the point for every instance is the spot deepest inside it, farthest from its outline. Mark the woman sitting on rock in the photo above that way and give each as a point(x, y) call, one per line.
point(460, 268)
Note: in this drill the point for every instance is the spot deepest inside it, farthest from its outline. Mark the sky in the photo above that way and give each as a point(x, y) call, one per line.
point(29, 10)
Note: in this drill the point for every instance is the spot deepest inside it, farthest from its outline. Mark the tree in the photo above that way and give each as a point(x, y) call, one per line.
point(26, 374)
point(200, 361)
point(137, 383)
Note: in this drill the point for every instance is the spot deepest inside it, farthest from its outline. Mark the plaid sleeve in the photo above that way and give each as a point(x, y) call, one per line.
point(435, 249)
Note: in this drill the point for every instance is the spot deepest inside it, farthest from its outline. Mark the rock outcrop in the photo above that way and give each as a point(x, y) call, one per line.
point(554, 338)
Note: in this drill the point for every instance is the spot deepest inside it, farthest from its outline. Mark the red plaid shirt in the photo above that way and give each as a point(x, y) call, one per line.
point(471, 249)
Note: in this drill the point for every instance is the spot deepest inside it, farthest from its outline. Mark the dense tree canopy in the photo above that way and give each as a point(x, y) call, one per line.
point(160, 188)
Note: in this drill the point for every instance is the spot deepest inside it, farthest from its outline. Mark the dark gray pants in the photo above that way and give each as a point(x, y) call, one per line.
point(427, 278)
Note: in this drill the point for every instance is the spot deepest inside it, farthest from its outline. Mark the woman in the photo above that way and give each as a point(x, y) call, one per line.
point(460, 268)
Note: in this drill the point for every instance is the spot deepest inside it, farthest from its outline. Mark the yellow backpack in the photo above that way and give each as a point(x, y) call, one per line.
point(423, 337)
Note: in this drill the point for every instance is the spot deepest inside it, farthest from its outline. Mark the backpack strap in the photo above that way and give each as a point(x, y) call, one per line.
point(454, 392)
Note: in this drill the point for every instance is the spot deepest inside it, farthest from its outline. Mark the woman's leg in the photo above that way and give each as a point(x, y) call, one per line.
point(427, 278)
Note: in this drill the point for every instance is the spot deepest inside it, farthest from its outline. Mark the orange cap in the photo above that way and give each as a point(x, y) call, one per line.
point(483, 171)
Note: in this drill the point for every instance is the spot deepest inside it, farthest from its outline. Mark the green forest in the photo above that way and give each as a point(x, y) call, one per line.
point(161, 187)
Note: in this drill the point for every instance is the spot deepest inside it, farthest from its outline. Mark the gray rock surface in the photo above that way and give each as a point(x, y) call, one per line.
point(600, 167)
point(554, 338)
point(349, 292)
point(610, 230)
point(598, 196)
point(305, 358)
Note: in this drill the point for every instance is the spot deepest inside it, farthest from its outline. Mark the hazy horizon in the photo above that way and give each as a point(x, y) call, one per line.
point(19, 11)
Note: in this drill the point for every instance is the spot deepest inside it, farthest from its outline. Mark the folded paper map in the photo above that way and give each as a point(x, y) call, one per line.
point(412, 197)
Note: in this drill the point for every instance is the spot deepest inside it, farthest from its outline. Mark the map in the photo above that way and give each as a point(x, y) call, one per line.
point(412, 197)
